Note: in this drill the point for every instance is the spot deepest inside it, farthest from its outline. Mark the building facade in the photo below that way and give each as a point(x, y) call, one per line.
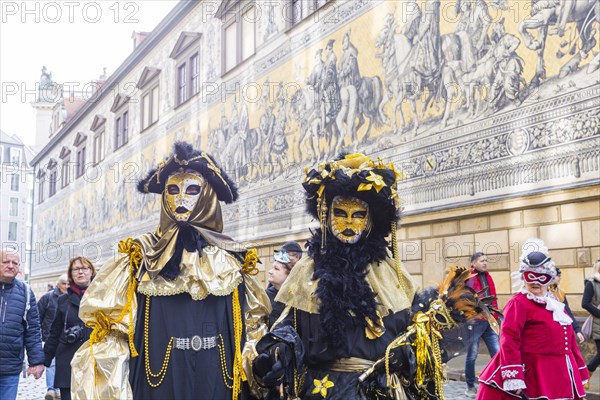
point(493, 124)
point(16, 196)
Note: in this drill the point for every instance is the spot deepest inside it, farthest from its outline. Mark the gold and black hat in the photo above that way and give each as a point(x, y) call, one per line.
point(358, 176)
point(183, 158)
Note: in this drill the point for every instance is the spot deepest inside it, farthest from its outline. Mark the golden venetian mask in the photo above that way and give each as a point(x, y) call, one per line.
point(182, 191)
point(349, 218)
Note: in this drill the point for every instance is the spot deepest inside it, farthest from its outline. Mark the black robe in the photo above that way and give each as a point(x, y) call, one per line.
point(320, 353)
point(190, 374)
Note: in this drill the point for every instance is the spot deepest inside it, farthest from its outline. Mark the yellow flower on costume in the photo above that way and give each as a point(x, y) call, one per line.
point(322, 385)
point(377, 181)
point(250, 262)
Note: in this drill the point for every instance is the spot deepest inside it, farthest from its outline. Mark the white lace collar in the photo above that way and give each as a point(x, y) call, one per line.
point(556, 307)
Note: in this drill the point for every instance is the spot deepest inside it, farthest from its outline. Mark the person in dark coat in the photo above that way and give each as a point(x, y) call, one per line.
point(19, 328)
point(67, 332)
point(47, 309)
point(348, 299)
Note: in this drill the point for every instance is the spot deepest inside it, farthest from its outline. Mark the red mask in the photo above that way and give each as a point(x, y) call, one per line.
point(537, 277)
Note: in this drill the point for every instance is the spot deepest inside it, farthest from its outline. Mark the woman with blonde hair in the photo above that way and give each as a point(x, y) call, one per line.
point(590, 302)
point(67, 332)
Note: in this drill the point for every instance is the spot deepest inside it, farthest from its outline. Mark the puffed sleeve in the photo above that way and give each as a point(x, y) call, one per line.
point(511, 370)
point(256, 313)
point(100, 367)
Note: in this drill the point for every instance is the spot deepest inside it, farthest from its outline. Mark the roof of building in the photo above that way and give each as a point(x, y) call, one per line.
point(174, 16)
point(7, 138)
point(72, 107)
point(10, 139)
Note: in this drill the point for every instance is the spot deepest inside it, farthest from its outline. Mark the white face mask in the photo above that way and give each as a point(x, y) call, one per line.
point(182, 192)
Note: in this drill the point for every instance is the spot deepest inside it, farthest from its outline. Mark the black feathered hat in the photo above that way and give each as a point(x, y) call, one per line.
point(358, 176)
point(184, 157)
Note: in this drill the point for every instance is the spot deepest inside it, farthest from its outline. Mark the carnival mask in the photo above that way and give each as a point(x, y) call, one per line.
point(182, 193)
point(537, 277)
point(349, 218)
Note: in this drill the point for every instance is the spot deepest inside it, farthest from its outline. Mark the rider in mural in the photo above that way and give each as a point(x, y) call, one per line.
point(352, 327)
point(177, 315)
point(329, 90)
point(508, 82)
point(428, 40)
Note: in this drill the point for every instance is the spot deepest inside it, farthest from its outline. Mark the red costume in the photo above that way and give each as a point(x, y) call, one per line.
point(535, 350)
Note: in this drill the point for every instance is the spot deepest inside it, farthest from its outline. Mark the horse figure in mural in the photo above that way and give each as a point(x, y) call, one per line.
point(546, 14)
point(394, 50)
point(217, 141)
point(401, 60)
point(370, 97)
point(304, 110)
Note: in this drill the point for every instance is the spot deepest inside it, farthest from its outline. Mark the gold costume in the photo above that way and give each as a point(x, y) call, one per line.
point(101, 367)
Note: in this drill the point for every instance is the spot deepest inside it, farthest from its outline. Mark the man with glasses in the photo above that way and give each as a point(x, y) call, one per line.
point(19, 327)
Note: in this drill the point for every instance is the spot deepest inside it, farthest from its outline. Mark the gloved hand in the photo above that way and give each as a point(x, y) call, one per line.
point(270, 366)
point(402, 361)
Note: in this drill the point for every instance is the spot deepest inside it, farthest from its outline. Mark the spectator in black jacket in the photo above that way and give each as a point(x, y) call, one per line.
point(68, 333)
point(561, 296)
point(47, 308)
point(19, 327)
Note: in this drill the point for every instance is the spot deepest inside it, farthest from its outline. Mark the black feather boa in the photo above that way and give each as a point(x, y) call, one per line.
point(343, 289)
point(189, 239)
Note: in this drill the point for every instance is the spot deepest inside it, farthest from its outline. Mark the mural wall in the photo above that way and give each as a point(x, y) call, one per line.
point(474, 101)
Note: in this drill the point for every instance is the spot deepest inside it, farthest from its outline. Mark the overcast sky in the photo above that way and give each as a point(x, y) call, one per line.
point(74, 39)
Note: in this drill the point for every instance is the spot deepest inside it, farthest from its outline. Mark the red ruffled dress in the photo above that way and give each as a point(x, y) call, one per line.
point(537, 353)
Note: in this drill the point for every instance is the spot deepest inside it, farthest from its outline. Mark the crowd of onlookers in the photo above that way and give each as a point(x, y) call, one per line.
point(49, 331)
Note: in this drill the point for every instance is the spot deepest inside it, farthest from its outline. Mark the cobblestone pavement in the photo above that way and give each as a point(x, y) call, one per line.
point(31, 389)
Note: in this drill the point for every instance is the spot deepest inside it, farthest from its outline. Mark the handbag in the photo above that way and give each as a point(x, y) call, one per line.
point(586, 328)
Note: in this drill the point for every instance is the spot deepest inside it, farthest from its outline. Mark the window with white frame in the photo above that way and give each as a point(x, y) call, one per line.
point(65, 170)
point(150, 106)
point(41, 177)
point(52, 179)
point(14, 182)
point(13, 209)
point(15, 156)
point(120, 108)
point(149, 86)
point(121, 129)
point(80, 168)
point(186, 53)
point(80, 144)
point(300, 9)
point(238, 34)
point(188, 78)
point(98, 145)
point(12, 231)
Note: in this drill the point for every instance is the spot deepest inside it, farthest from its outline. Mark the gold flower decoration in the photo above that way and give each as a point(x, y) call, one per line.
point(376, 180)
point(321, 386)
